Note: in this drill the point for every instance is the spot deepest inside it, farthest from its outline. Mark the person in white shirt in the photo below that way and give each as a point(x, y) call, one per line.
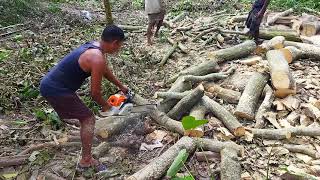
point(155, 11)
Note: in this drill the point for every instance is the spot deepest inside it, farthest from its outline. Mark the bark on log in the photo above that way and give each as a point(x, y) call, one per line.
point(13, 160)
point(302, 149)
point(171, 95)
point(240, 18)
point(160, 117)
point(208, 77)
point(225, 116)
point(274, 134)
point(281, 77)
point(249, 99)
point(217, 146)
point(106, 127)
point(275, 17)
point(308, 50)
point(198, 112)
point(167, 56)
point(274, 43)
point(180, 85)
point(230, 166)
point(289, 35)
point(264, 107)
point(180, 46)
point(305, 131)
point(186, 103)
point(203, 68)
point(310, 28)
point(291, 53)
point(234, 52)
point(157, 168)
point(227, 95)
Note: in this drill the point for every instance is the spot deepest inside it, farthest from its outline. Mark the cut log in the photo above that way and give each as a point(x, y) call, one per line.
point(186, 103)
point(225, 116)
point(203, 68)
point(315, 40)
point(251, 60)
point(198, 112)
point(180, 46)
point(275, 17)
point(230, 166)
point(218, 146)
point(167, 56)
point(179, 17)
point(291, 53)
point(240, 18)
point(171, 95)
point(308, 50)
point(157, 168)
point(310, 28)
point(264, 107)
point(180, 85)
point(274, 43)
point(274, 134)
point(287, 34)
point(228, 95)
point(109, 126)
point(311, 111)
point(13, 160)
point(248, 102)
point(281, 77)
point(302, 149)
point(235, 52)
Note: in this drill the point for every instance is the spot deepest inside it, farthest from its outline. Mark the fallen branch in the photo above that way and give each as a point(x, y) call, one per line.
point(264, 107)
point(186, 103)
point(275, 17)
point(198, 112)
point(203, 68)
point(308, 50)
point(157, 168)
point(228, 95)
point(132, 28)
point(204, 33)
point(179, 17)
point(230, 166)
point(13, 160)
point(217, 146)
point(302, 149)
point(305, 131)
point(225, 116)
point(274, 134)
point(281, 77)
point(172, 95)
point(249, 99)
point(239, 18)
point(49, 145)
point(167, 56)
point(180, 46)
point(234, 52)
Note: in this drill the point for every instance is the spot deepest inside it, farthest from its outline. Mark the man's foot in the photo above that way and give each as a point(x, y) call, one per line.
point(93, 163)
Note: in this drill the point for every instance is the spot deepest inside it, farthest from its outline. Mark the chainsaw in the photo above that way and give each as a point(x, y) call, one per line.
point(122, 105)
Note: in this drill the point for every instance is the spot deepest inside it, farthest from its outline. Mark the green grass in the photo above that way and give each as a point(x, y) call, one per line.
point(297, 4)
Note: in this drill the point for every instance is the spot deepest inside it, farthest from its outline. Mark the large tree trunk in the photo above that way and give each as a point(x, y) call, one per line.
point(290, 35)
point(234, 52)
point(281, 77)
point(264, 107)
point(225, 116)
point(186, 103)
point(230, 166)
point(308, 50)
point(158, 166)
point(227, 95)
point(107, 7)
point(249, 100)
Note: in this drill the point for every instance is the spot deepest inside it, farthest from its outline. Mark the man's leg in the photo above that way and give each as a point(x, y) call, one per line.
point(159, 24)
point(86, 134)
point(149, 31)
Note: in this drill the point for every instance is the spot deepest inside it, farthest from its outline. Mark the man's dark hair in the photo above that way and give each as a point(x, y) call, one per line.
point(111, 33)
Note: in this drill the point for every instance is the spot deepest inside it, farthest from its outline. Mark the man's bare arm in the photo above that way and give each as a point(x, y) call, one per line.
point(109, 75)
point(97, 70)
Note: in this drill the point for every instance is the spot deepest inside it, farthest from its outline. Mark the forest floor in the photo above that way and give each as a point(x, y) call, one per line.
point(26, 119)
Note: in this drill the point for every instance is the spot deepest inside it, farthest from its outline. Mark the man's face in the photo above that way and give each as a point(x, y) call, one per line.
point(116, 46)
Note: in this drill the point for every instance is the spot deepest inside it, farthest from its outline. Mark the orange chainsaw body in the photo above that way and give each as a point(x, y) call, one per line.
point(117, 99)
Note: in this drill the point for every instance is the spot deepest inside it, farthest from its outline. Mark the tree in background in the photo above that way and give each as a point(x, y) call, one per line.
point(107, 7)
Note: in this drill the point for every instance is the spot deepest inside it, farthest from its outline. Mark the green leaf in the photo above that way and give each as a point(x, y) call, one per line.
point(11, 175)
point(4, 54)
point(184, 178)
point(41, 115)
point(177, 163)
point(20, 122)
point(189, 122)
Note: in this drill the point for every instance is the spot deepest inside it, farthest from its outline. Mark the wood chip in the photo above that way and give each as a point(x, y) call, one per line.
point(305, 158)
point(311, 111)
point(291, 103)
point(272, 118)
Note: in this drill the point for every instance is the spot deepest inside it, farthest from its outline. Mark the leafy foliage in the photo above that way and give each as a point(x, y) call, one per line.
point(4, 54)
point(50, 117)
point(40, 157)
point(285, 4)
point(190, 122)
point(177, 163)
point(137, 4)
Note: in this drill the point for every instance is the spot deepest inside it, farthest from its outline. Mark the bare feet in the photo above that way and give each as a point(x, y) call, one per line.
point(88, 162)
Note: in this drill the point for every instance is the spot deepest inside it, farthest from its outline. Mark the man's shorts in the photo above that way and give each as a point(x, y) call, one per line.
point(155, 18)
point(69, 107)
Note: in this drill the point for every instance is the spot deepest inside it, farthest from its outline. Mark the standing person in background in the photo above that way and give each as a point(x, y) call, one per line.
point(155, 11)
point(255, 17)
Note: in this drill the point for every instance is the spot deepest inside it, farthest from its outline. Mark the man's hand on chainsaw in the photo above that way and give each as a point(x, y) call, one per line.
point(124, 89)
point(106, 107)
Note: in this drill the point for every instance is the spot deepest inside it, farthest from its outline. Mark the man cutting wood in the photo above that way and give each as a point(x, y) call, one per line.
point(255, 16)
point(155, 10)
point(59, 86)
